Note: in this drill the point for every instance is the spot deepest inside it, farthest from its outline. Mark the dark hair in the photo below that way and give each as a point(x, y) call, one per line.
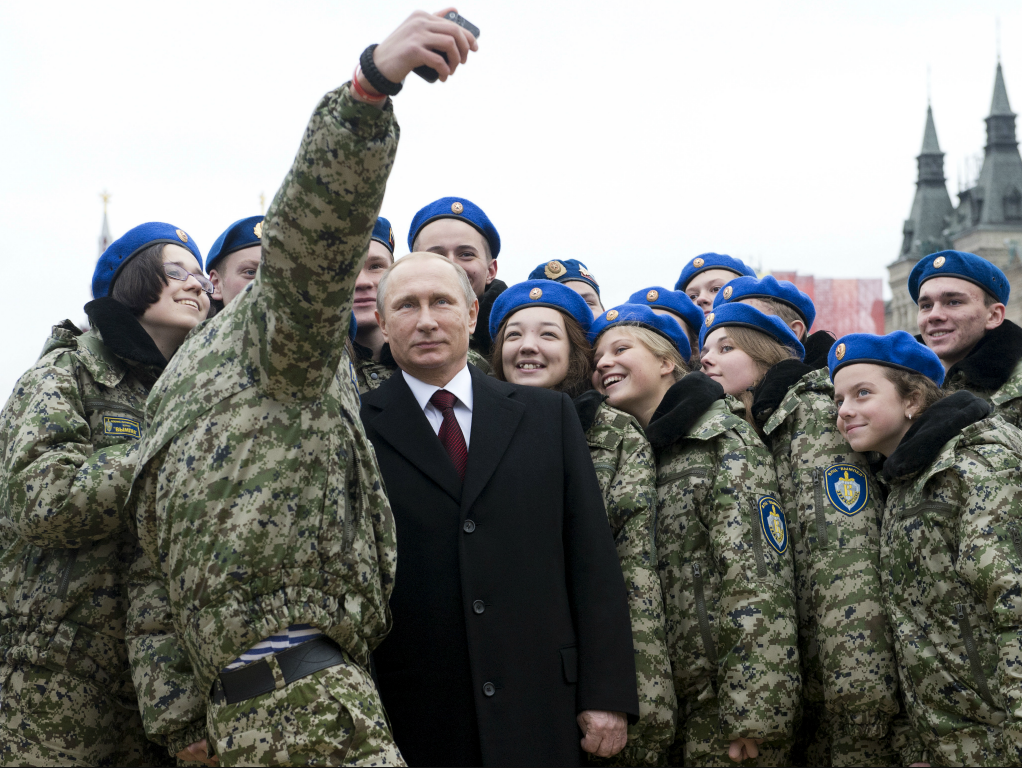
point(908, 383)
point(579, 377)
point(141, 280)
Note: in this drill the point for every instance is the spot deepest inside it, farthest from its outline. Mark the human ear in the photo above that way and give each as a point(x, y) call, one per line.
point(473, 315)
point(995, 316)
point(380, 321)
point(218, 293)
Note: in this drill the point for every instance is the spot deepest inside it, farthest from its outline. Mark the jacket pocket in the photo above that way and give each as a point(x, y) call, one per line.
point(569, 664)
point(703, 614)
point(972, 651)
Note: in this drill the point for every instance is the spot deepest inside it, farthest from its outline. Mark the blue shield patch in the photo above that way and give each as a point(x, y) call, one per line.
point(114, 425)
point(847, 488)
point(775, 529)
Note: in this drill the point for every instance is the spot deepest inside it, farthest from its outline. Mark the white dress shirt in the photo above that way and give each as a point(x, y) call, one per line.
point(460, 386)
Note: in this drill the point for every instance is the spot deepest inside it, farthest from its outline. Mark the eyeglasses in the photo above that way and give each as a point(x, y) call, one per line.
point(180, 273)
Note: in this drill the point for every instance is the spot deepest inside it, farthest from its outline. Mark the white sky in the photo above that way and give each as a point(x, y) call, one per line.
point(630, 136)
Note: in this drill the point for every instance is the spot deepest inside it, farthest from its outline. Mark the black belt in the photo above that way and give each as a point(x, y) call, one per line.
point(295, 663)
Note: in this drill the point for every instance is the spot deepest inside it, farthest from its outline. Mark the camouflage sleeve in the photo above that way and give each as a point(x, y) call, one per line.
point(315, 237)
point(56, 490)
point(629, 491)
point(758, 679)
point(173, 709)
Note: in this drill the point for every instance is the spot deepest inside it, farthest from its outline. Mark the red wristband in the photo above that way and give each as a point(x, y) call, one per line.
point(362, 92)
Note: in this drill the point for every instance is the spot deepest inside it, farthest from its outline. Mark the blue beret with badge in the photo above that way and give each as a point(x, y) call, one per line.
point(965, 266)
point(895, 350)
point(746, 316)
point(706, 261)
point(244, 233)
point(384, 233)
point(676, 302)
point(130, 244)
point(563, 271)
point(640, 314)
point(768, 287)
point(539, 293)
point(456, 208)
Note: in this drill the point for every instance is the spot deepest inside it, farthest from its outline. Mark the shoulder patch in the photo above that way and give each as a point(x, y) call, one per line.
point(847, 488)
point(122, 427)
point(775, 529)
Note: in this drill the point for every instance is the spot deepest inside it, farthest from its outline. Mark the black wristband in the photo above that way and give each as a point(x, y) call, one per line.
point(372, 74)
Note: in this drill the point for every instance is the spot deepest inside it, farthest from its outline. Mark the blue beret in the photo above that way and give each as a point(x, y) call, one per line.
point(353, 327)
point(967, 266)
point(768, 287)
point(563, 270)
point(129, 244)
point(895, 350)
point(455, 208)
point(539, 293)
point(705, 261)
point(244, 233)
point(640, 314)
point(384, 233)
point(677, 302)
point(749, 317)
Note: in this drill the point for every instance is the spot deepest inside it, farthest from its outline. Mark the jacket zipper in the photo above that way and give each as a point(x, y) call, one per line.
point(704, 619)
point(698, 471)
point(973, 653)
point(95, 403)
point(821, 520)
point(1016, 539)
point(348, 526)
point(65, 576)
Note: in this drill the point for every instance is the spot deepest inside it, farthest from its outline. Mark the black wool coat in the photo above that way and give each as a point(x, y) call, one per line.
point(510, 614)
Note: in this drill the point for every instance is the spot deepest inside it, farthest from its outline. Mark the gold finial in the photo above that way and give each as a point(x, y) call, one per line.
point(105, 197)
point(262, 204)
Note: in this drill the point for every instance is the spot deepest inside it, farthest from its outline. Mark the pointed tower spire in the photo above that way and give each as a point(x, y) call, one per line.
point(999, 106)
point(104, 235)
point(930, 145)
point(923, 230)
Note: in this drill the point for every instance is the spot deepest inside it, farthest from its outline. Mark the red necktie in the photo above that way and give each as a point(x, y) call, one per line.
point(450, 431)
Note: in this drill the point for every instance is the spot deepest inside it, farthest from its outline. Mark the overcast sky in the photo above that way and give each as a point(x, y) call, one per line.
point(632, 136)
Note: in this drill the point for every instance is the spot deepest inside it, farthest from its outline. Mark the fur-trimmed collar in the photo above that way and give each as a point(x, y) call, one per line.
point(817, 348)
point(587, 404)
point(925, 439)
point(362, 353)
point(386, 357)
point(683, 405)
point(992, 360)
point(774, 387)
point(123, 334)
point(481, 341)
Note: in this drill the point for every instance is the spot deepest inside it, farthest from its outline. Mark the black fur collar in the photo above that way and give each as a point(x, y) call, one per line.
point(386, 358)
point(941, 422)
point(481, 341)
point(683, 405)
point(992, 360)
point(587, 404)
point(775, 385)
point(123, 334)
point(817, 348)
point(362, 353)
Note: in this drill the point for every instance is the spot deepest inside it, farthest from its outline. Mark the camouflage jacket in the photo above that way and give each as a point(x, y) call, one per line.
point(626, 470)
point(951, 562)
point(370, 373)
point(69, 439)
point(258, 498)
point(834, 509)
point(725, 565)
point(993, 371)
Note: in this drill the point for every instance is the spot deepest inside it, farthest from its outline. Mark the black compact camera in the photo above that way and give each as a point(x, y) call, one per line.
point(429, 74)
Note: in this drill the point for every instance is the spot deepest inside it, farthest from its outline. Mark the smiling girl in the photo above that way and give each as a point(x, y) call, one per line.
point(539, 331)
point(721, 542)
point(950, 546)
point(68, 442)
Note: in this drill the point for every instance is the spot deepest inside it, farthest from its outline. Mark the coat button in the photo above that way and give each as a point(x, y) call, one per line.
point(478, 606)
point(374, 376)
point(489, 689)
point(470, 525)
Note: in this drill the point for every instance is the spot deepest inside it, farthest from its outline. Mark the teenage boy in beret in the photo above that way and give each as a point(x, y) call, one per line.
point(706, 274)
point(459, 230)
point(961, 298)
point(258, 496)
point(234, 259)
point(575, 275)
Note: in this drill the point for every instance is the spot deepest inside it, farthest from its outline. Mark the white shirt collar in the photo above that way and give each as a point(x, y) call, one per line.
point(460, 386)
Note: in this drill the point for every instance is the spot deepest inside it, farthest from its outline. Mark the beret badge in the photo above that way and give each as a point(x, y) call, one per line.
point(182, 235)
point(535, 293)
point(585, 273)
point(612, 315)
point(939, 262)
point(698, 262)
point(257, 230)
point(554, 269)
point(457, 207)
point(839, 353)
point(727, 292)
point(709, 319)
point(653, 295)
point(391, 238)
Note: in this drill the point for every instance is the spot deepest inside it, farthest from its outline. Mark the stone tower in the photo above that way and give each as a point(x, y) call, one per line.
point(923, 231)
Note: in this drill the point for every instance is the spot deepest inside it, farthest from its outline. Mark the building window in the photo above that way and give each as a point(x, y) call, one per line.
point(1013, 205)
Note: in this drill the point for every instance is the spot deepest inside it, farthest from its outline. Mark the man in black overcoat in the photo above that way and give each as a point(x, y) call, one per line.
point(511, 642)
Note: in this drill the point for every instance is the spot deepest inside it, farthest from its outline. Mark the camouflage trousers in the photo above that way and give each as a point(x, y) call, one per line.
point(700, 742)
point(332, 717)
point(52, 718)
point(820, 742)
